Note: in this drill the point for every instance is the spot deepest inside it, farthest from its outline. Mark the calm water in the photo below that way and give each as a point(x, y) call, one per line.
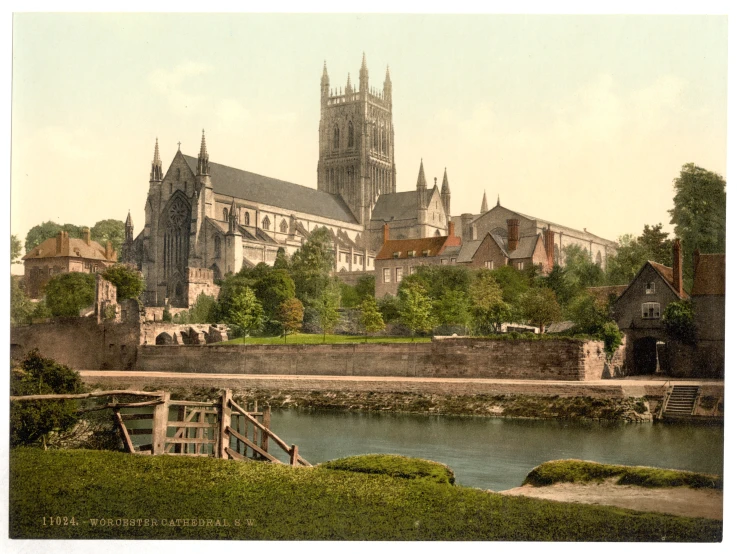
point(497, 454)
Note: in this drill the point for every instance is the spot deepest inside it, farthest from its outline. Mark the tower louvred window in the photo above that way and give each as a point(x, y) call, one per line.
point(336, 138)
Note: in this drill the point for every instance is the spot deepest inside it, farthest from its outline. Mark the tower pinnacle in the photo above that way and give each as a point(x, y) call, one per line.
point(363, 76)
point(446, 186)
point(484, 205)
point(203, 160)
point(421, 182)
point(157, 173)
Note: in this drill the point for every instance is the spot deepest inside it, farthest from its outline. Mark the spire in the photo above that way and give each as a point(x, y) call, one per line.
point(348, 87)
point(363, 75)
point(388, 78)
point(203, 160)
point(325, 81)
point(157, 173)
point(446, 186)
point(484, 205)
point(363, 63)
point(421, 183)
point(497, 200)
point(128, 220)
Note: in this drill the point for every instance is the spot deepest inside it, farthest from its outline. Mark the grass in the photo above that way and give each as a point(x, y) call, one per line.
point(395, 466)
point(577, 471)
point(304, 338)
point(206, 498)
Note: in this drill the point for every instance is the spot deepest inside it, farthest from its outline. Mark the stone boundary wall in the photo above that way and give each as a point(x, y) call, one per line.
point(562, 360)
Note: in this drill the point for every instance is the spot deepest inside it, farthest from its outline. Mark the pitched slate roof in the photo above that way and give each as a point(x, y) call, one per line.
point(74, 248)
point(468, 249)
point(666, 273)
point(434, 245)
point(709, 275)
point(525, 247)
point(229, 181)
point(397, 205)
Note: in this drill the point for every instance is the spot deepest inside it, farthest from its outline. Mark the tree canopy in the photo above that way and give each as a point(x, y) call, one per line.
point(415, 308)
point(127, 280)
point(112, 230)
point(312, 264)
point(370, 318)
point(540, 307)
point(290, 315)
point(102, 231)
point(245, 312)
point(68, 293)
point(488, 307)
point(15, 249)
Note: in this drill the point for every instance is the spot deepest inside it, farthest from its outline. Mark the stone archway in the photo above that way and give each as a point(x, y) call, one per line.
point(164, 339)
point(645, 355)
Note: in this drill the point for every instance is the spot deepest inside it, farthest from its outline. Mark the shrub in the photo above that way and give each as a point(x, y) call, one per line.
point(678, 322)
point(68, 293)
point(32, 420)
point(395, 466)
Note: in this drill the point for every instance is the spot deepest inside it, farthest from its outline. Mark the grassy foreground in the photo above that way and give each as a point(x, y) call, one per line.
point(116, 495)
point(578, 471)
point(304, 338)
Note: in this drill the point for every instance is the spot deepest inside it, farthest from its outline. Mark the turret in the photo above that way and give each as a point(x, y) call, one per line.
point(422, 194)
point(388, 88)
point(484, 205)
point(445, 194)
point(157, 173)
point(233, 219)
point(324, 84)
point(348, 88)
point(128, 227)
point(363, 77)
point(203, 160)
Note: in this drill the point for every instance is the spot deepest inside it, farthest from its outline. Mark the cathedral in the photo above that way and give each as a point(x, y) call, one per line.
point(205, 220)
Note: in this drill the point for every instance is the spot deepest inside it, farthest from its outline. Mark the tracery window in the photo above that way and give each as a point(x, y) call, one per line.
point(283, 226)
point(265, 223)
point(350, 134)
point(336, 138)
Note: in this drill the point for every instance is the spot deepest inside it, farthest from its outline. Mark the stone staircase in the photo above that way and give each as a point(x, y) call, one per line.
point(681, 401)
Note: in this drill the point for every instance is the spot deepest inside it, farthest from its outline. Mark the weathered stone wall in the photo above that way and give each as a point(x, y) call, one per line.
point(79, 343)
point(469, 358)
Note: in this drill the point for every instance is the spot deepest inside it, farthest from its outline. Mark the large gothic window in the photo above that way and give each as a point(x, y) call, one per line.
point(176, 246)
point(217, 247)
point(336, 138)
point(350, 134)
point(266, 223)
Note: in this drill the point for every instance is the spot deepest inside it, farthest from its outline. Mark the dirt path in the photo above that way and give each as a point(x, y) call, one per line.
point(680, 501)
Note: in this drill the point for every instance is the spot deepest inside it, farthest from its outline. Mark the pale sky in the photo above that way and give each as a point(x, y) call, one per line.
point(581, 120)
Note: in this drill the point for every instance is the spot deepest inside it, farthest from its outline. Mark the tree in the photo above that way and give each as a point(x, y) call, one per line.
point(39, 233)
point(558, 282)
point(678, 321)
point(657, 245)
point(112, 230)
point(699, 213)
point(632, 253)
point(15, 249)
point(21, 306)
point(488, 308)
point(290, 315)
point(327, 308)
point(282, 260)
point(512, 282)
point(349, 296)
point(415, 308)
point(31, 421)
point(366, 286)
point(588, 314)
point(68, 293)
point(540, 307)
point(272, 288)
point(370, 317)
point(580, 270)
point(245, 312)
point(127, 280)
point(312, 264)
point(389, 308)
point(452, 308)
point(203, 310)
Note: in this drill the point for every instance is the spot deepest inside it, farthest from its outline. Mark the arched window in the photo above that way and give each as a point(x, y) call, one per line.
point(265, 223)
point(283, 226)
point(247, 218)
point(225, 214)
point(217, 247)
point(336, 138)
point(350, 134)
point(376, 137)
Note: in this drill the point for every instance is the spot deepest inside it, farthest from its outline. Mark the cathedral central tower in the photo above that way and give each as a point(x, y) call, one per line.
point(356, 142)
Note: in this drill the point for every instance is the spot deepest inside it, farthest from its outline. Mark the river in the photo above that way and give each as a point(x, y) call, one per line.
point(496, 453)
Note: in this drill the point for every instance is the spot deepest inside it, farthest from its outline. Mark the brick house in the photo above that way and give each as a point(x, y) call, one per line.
point(401, 257)
point(639, 309)
point(62, 254)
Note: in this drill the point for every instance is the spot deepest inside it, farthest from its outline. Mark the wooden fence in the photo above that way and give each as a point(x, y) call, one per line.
point(218, 429)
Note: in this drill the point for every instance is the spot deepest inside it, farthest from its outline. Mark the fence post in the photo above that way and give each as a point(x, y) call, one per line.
point(267, 424)
point(160, 425)
point(293, 455)
point(224, 422)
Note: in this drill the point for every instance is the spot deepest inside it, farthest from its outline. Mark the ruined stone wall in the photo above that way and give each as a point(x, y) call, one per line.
point(469, 358)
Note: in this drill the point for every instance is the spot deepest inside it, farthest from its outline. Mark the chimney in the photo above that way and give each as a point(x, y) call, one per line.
point(549, 242)
point(677, 267)
point(86, 235)
point(59, 240)
point(466, 220)
point(451, 229)
point(386, 233)
point(512, 234)
point(109, 250)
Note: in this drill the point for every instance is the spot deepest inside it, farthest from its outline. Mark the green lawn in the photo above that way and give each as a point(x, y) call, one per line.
point(301, 338)
point(206, 498)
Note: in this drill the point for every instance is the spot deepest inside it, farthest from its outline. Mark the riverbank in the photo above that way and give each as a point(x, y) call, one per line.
point(620, 399)
point(112, 495)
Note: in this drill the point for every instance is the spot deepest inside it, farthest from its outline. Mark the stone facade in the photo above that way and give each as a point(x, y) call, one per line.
point(62, 254)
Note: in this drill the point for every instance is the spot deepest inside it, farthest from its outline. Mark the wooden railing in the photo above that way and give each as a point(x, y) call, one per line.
point(216, 429)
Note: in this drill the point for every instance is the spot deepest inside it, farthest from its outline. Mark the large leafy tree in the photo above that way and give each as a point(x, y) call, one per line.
point(21, 306)
point(699, 213)
point(488, 308)
point(370, 317)
point(39, 233)
point(112, 230)
point(245, 312)
point(580, 270)
point(540, 307)
point(559, 283)
point(272, 288)
point(366, 286)
point(452, 308)
point(588, 314)
point(513, 283)
point(653, 244)
point(312, 264)
point(415, 308)
point(68, 293)
point(203, 310)
point(15, 249)
point(282, 260)
point(127, 280)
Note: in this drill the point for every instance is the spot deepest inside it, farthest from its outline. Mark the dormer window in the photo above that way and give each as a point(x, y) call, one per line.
point(410, 253)
point(395, 254)
point(650, 288)
point(425, 253)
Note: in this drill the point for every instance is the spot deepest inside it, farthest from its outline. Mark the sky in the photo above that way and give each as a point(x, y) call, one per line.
point(580, 120)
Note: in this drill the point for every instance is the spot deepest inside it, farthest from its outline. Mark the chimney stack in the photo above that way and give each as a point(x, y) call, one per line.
point(549, 242)
point(60, 240)
point(451, 229)
point(677, 267)
point(86, 235)
point(512, 234)
point(386, 233)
